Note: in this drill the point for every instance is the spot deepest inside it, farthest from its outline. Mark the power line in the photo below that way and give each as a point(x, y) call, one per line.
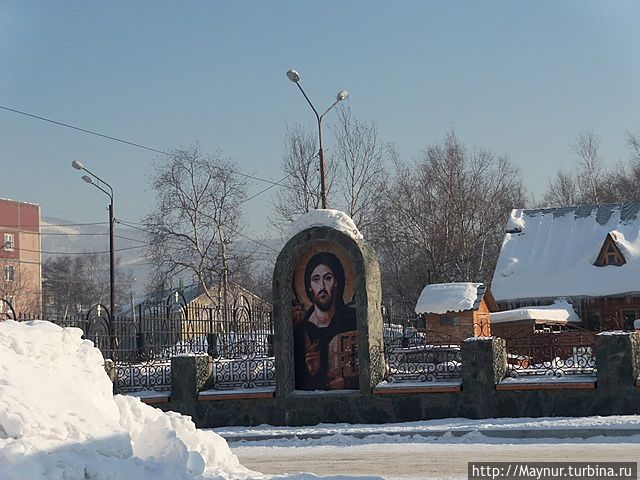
point(70, 253)
point(53, 225)
point(116, 139)
point(127, 224)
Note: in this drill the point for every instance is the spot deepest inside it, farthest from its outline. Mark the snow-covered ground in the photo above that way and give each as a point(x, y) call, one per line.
point(434, 449)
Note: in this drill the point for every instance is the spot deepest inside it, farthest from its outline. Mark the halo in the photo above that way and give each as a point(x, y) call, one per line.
point(303, 259)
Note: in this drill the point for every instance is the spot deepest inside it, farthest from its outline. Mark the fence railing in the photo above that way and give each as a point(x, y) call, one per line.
point(238, 338)
point(552, 352)
point(420, 356)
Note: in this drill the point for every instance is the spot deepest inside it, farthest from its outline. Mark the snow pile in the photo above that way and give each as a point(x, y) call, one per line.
point(326, 218)
point(515, 224)
point(560, 312)
point(59, 419)
point(447, 297)
point(550, 253)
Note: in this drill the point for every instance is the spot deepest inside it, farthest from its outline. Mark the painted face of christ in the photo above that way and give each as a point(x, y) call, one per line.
point(323, 285)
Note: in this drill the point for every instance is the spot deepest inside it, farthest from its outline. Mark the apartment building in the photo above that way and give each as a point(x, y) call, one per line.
point(20, 256)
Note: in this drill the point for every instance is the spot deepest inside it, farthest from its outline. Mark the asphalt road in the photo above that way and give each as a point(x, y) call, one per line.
point(421, 460)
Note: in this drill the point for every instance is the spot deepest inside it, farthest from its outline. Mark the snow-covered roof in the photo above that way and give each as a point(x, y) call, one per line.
point(550, 253)
point(560, 312)
point(450, 297)
point(326, 218)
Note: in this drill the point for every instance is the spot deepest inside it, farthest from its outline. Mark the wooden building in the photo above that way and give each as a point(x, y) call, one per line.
point(460, 310)
point(588, 254)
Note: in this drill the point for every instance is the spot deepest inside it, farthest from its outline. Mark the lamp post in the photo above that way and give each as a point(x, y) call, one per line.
point(342, 95)
point(112, 281)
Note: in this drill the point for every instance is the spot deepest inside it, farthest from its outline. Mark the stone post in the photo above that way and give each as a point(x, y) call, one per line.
point(617, 359)
point(484, 364)
point(188, 375)
point(110, 368)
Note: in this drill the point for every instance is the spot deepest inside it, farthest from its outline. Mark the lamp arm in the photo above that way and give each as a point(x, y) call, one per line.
point(110, 195)
point(310, 104)
point(101, 180)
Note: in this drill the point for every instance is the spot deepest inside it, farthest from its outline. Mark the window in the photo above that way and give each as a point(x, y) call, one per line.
point(449, 321)
point(9, 273)
point(8, 242)
point(592, 320)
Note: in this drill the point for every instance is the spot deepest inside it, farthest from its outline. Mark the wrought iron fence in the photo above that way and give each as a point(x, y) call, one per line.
point(555, 351)
point(239, 339)
point(421, 356)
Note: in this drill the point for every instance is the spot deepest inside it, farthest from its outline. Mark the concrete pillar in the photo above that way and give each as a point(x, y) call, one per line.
point(484, 364)
point(617, 359)
point(188, 375)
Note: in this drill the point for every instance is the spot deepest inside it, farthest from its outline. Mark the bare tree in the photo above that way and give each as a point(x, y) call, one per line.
point(591, 182)
point(443, 218)
point(17, 290)
point(562, 190)
point(300, 191)
point(197, 214)
point(590, 169)
point(362, 156)
point(633, 141)
point(72, 284)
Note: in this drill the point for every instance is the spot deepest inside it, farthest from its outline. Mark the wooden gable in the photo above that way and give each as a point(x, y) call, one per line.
point(610, 254)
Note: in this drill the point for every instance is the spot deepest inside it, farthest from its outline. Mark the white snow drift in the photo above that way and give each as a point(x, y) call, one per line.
point(59, 419)
point(326, 218)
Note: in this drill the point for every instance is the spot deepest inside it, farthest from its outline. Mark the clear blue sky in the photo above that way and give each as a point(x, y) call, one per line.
point(521, 78)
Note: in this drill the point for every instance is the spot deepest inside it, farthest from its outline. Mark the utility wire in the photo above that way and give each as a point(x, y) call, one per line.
point(127, 224)
point(74, 253)
point(54, 225)
point(121, 140)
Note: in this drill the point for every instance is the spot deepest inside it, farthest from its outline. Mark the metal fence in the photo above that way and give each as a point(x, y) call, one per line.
point(239, 339)
point(558, 351)
point(413, 354)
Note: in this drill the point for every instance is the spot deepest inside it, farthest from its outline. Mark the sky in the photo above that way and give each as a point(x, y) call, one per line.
point(518, 78)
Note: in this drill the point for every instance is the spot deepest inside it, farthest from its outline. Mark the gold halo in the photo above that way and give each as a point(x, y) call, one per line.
point(301, 264)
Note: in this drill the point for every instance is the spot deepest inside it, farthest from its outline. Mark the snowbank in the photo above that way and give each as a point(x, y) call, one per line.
point(447, 297)
point(59, 419)
point(326, 218)
point(560, 312)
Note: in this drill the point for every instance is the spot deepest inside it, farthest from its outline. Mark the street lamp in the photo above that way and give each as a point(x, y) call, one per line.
point(294, 76)
point(112, 281)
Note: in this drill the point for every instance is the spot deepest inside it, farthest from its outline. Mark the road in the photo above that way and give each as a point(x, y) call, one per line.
point(421, 460)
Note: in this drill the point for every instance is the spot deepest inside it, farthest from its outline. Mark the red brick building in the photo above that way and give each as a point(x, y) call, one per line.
point(20, 256)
